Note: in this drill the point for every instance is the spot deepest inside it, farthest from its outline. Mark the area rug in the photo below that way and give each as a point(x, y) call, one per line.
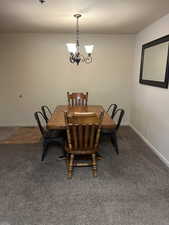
point(22, 135)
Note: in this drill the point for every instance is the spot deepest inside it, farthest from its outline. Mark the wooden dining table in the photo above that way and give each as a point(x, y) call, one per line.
point(57, 120)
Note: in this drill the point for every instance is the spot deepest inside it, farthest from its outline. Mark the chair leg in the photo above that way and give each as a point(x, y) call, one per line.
point(67, 161)
point(44, 153)
point(70, 166)
point(94, 164)
point(115, 143)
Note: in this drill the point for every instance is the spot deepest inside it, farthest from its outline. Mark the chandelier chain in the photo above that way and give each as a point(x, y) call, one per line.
point(77, 33)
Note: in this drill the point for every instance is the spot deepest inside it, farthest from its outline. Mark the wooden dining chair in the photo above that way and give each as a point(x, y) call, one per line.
point(77, 99)
point(83, 133)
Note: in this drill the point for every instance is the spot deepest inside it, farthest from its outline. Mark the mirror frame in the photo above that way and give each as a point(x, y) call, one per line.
point(162, 84)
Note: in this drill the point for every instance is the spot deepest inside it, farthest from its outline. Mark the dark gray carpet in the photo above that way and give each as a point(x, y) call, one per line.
point(130, 189)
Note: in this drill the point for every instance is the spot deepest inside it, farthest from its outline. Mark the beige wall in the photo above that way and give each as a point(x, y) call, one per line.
point(36, 66)
point(150, 105)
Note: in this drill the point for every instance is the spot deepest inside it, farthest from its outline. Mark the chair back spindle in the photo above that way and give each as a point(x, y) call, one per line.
point(112, 109)
point(41, 121)
point(119, 116)
point(77, 99)
point(46, 112)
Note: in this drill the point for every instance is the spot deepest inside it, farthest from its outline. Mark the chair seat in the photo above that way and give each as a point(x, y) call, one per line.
point(52, 134)
point(106, 131)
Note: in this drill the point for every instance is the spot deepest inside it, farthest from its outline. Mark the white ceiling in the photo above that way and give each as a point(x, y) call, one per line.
point(99, 16)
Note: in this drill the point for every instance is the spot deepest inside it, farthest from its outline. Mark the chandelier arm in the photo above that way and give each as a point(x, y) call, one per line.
point(88, 60)
point(82, 58)
point(72, 58)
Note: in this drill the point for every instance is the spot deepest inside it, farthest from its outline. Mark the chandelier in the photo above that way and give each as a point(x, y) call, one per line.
point(74, 48)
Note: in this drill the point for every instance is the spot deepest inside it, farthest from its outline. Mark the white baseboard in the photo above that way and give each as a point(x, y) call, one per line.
point(160, 156)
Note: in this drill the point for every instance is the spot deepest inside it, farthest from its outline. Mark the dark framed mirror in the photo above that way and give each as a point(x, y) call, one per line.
point(154, 69)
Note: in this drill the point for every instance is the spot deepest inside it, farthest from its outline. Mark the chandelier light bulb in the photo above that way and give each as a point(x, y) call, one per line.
point(89, 49)
point(71, 47)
